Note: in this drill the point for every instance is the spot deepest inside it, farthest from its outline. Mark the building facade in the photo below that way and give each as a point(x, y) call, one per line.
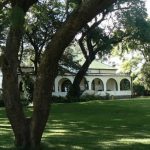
point(100, 79)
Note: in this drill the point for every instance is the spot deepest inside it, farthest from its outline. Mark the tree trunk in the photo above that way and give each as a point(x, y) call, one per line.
point(42, 96)
point(75, 87)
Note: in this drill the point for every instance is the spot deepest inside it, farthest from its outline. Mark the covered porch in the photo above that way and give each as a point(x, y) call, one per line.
point(95, 85)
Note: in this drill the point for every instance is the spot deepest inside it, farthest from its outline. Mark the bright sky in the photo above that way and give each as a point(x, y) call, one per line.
point(148, 6)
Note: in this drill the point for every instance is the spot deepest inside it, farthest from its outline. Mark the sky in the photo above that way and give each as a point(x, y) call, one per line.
point(148, 6)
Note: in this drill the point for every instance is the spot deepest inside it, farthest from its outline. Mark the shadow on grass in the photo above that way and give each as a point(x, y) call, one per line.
point(107, 125)
point(114, 125)
point(89, 136)
point(6, 135)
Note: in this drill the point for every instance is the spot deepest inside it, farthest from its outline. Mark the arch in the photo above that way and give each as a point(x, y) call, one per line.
point(125, 85)
point(111, 85)
point(64, 85)
point(84, 85)
point(97, 85)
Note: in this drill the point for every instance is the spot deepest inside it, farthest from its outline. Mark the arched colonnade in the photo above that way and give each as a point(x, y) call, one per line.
point(99, 84)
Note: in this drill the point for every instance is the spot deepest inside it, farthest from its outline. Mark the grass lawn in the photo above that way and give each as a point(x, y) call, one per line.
point(96, 125)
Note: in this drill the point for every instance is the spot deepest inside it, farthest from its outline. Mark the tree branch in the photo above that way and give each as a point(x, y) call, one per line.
point(96, 23)
point(80, 41)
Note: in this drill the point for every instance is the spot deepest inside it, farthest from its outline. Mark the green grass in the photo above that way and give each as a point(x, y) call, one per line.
point(96, 125)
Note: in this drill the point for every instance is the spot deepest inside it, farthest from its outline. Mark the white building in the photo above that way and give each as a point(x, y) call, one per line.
point(100, 80)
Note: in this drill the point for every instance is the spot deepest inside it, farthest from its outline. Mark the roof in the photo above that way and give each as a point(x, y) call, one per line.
point(97, 64)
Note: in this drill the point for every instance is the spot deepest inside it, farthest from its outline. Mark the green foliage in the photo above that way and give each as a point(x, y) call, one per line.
point(87, 97)
point(45, 18)
point(103, 43)
point(43, 21)
point(4, 24)
point(84, 98)
point(130, 65)
point(138, 90)
point(134, 22)
point(146, 75)
point(68, 63)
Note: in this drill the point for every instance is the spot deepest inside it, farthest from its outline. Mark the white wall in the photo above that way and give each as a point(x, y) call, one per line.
point(90, 78)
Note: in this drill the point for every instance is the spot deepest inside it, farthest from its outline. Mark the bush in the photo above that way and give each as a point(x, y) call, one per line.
point(85, 98)
point(91, 97)
point(59, 99)
point(138, 90)
point(107, 97)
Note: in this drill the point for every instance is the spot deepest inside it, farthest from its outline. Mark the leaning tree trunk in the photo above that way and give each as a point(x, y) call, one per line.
point(75, 87)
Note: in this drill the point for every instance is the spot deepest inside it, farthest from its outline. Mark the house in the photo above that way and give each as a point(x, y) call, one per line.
point(100, 79)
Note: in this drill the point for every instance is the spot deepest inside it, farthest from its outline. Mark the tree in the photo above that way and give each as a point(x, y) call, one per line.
point(146, 75)
point(68, 63)
point(41, 24)
point(28, 131)
point(44, 19)
point(138, 42)
point(98, 40)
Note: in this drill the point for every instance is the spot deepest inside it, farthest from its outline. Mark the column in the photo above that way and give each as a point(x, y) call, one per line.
point(56, 85)
point(89, 85)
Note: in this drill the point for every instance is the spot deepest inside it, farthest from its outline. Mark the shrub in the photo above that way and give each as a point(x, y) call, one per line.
point(59, 99)
point(84, 98)
point(107, 97)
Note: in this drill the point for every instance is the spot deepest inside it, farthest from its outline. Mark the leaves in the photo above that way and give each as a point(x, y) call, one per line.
point(146, 75)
